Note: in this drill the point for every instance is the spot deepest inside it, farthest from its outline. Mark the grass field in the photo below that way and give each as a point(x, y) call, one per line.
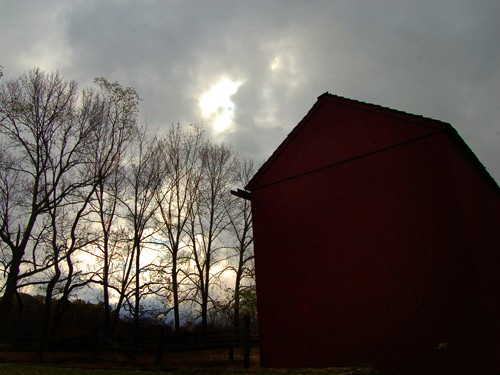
point(19, 369)
point(213, 362)
point(25, 369)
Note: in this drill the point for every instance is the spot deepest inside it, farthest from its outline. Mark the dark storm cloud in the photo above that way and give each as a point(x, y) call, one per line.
point(437, 59)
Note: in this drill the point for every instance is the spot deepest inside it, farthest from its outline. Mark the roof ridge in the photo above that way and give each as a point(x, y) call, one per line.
point(328, 94)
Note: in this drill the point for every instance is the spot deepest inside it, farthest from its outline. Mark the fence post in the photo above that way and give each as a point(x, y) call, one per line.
point(95, 348)
point(247, 340)
point(159, 347)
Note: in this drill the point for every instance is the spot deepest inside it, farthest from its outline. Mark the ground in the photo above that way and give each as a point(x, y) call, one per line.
point(206, 362)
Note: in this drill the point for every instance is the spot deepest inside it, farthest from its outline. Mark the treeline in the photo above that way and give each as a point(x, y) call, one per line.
point(81, 318)
point(89, 198)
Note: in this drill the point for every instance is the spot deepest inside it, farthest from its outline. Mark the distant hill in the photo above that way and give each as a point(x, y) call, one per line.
point(81, 318)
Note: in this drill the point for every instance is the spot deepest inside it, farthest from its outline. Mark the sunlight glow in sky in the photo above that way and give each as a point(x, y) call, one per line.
point(216, 102)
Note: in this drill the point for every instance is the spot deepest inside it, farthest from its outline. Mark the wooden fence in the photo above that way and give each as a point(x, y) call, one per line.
point(164, 343)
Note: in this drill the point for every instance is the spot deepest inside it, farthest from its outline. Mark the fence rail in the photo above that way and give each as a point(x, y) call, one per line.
point(164, 343)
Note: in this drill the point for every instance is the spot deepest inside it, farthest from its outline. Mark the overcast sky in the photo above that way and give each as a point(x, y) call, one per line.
point(264, 63)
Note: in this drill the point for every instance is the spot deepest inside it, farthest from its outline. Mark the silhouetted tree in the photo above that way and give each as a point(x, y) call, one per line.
point(241, 259)
point(144, 175)
point(119, 117)
point(77, 175)
point(47, 133)
point(116, 109)
point(182, 156)
point(208, 221)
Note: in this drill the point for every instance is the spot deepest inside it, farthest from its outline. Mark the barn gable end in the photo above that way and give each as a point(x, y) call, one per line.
point(336, 130)
point(377, 240)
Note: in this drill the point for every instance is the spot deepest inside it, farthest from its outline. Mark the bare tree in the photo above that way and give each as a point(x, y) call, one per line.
point(46, 136)
point(115, 111)
point(240, 228)
point(144, 176)
point(78, 174)
point(65, 237)
point(109, 117)
point(124, 263)
point(119, 125)
point(181, 153)
point(107, 247)
point(207, 224)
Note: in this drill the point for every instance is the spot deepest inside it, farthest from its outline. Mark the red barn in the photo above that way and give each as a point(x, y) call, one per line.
point(377, 237)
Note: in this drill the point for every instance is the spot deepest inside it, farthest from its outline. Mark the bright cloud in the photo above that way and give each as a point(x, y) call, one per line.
point(217, 103)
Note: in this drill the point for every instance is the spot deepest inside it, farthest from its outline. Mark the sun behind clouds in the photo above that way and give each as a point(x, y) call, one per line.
point(216, 102)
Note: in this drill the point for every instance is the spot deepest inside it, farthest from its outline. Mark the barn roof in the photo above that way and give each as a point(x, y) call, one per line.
point(418, 119)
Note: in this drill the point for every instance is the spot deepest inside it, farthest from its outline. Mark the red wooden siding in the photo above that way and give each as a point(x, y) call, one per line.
point(377, 258)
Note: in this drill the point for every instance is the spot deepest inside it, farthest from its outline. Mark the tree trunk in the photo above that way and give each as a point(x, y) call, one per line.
point(137, 296)
point(116, 316)
point(48, 304)
point(204, 311)
point(60, 310)
point(175, 292)
point(105, 286)
point(63, 302)
point(237, 300)
point(6, 303)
